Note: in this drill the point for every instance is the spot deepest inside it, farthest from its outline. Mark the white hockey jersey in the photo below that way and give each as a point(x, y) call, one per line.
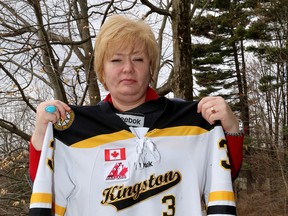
point(93, 164)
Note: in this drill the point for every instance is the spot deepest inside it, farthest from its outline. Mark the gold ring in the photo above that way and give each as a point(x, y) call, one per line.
point(213, 110)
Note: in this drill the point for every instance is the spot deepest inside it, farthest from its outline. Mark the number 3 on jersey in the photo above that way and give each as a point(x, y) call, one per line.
point(223, 145)
point(169, 200)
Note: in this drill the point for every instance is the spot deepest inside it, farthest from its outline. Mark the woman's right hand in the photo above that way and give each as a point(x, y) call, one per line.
point(43, 118)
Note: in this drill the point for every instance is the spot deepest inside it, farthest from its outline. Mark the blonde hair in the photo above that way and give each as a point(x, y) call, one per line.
point(119, 32)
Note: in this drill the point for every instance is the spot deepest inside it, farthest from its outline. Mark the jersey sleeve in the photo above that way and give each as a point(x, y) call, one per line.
point(41, 198)
point(52, 185)
point(235, 152)
point(219, 195)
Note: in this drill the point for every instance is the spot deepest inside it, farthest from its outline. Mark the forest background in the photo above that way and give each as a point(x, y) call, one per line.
point(236, 49)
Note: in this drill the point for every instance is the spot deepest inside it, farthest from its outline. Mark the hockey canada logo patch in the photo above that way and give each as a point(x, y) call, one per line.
point(117, 171)
point(63, 124)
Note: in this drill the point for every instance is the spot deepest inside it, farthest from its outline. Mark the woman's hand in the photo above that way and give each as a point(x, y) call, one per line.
point(216, 108)
point(43, 117)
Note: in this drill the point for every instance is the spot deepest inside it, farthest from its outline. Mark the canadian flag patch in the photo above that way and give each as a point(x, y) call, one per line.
point(115, 154)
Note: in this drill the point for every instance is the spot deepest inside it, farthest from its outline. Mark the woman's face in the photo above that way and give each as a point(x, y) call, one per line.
point(127, 74)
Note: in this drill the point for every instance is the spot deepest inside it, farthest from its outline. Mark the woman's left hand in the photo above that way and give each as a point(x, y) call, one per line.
point(216, 108)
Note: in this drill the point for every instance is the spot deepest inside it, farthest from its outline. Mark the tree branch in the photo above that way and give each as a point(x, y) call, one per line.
point(156, 9)
point(25, 99)
point(13, 129)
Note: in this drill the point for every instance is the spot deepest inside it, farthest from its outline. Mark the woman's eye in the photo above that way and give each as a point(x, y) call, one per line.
point(138, 59)
point(115, 60)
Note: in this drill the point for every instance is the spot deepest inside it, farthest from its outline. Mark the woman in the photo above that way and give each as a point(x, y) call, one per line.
point(135, 150)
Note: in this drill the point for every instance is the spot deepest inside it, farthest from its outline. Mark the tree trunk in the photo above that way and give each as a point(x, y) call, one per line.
point(51, 65)
point(182, 82)
point(87, 59)
point(245, 109)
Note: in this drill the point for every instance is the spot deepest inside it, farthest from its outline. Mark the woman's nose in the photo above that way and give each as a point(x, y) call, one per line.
point(128, 66)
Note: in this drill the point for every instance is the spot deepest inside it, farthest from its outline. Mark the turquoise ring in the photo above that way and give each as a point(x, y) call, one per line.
point(50, 109)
